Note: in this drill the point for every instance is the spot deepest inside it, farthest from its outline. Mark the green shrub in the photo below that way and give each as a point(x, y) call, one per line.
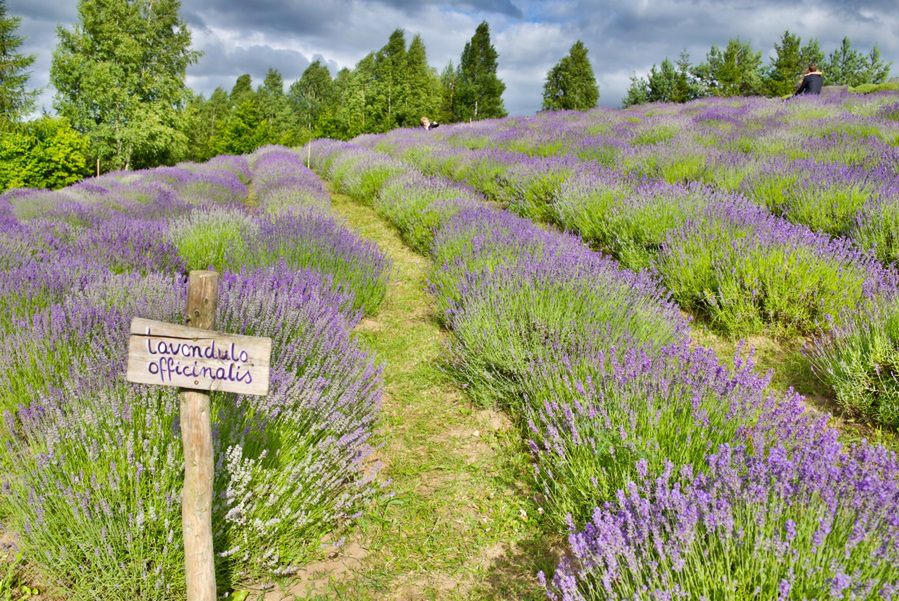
point(44, 153)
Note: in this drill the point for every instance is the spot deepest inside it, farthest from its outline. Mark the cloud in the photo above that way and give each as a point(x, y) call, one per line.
point(623, 36)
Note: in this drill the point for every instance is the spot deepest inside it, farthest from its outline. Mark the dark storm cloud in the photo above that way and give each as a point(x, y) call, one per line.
point(273, 16)
point(501, 7)
point(219, 60)
point(623, 36)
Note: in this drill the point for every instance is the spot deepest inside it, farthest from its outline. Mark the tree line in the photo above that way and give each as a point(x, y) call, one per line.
point(122, 102)
point(738, 70)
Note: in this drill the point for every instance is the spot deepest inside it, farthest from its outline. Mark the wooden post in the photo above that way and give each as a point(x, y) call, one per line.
point(196, 436)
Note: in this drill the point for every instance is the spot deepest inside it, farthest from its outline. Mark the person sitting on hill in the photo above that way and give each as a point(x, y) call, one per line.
point(426, 123)
point(812, 81)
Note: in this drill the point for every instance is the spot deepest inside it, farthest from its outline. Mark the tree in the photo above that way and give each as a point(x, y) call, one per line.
point(849, 67)
point(246, 128)
point(786, 66)
point(570, 84)
point(44, 153)
point(14, 99)
point(312, 97)
point(204, 122)
point(845, 65)
point(686, 86)
point(811, 54)
point(669, 82)
point(119, 74)
point(243, 85)
point(662, 82)
point(637, 92)
point(448, 83)
point(424, 94)
point(392, 87)
point(353, 92)
point(876, 70)
point(276, 110)
point(735, 71)
point(479, 91)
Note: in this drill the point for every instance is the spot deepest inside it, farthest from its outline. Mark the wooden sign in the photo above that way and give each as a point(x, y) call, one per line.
point(173, 355)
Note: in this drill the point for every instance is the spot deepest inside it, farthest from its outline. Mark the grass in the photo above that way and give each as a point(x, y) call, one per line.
point(461, 522)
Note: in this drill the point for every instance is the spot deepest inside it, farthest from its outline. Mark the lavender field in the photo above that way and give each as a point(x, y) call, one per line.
point(577, 265)
point(92, 465)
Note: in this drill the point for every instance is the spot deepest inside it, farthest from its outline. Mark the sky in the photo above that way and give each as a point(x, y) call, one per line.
point(623, 36)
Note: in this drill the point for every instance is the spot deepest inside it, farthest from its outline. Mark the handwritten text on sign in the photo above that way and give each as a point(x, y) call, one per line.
point(173, 355)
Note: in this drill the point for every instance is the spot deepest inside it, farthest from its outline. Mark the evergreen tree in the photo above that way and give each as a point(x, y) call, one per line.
point(570, 84)
point(876, 70)
point(787, 66)
point(734, 71)
point(844, 66)
point(669, 82)
point(810, 55)
point(119, 75)
point(14, 99)
point(273, 83)
point(312, 97)
point(424, 95)
point(662, 82)
point(355, 93)
point(204, 122)
point(686, 86)
point(479, 91)
point(246, 128)
point(392, 87)
point(448, 83)
point(243, 85)
point(276, 110)
point(637, 92)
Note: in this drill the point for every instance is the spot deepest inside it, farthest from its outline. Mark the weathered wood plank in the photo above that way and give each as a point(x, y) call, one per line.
point(173, 355)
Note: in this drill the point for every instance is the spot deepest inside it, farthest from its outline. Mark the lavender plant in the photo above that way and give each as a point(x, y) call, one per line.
point(859, 361)
point(813, 522)
point(746, 270)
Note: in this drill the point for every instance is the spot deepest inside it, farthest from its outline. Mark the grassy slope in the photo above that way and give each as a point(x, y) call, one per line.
point(459, 524)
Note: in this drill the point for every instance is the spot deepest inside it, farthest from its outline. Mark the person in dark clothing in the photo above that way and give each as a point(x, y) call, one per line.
point(427, 124)
point(812, 81)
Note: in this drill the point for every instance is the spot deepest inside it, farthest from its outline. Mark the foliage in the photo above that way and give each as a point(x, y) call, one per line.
point(312, 96)
point(789, 63)
point(15, 101)
point(860, 363)
point(734, 71)
point(870, 88)
point(424, 96)
point(479, 91)
point(119, 75)
point(848, 66)
point(44, 153)
point(570, 84)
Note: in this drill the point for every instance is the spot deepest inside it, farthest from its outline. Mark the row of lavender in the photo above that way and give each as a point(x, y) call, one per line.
point(723, 256)
point(676, 476)
point(829, 163)
point(92, 466)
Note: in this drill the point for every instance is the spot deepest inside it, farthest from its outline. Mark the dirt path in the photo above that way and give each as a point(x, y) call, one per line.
point(459, 524)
